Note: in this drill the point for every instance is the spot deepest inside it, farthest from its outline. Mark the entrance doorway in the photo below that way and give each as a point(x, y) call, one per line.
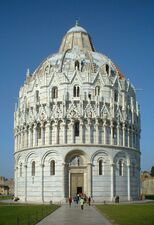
point(79, 190)
point(76, 183)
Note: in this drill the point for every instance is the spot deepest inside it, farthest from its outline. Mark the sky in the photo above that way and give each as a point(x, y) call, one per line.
point(30, 30)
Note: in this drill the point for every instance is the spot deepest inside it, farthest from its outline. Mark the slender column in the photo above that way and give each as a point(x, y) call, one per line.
point(35, 141)
point(72, 131)
point(97, 132)
point(64, 132)
point(118, 134)
point(42, 134)
point(112, 181)
point(15, 140)
point(128, 181)
point(81, 132)
point(18, 140)
point(111, 127)
point(128, 135)
point(104, 126)
point(89, 179)
point(25, 183)
point(16, 181)
point(48, 133)
point(69, 183)
point(63, 177)
point(124, 134)
point(56, 132)
point(42, 182)
point(27, 139)
point(89, 131)
point(22, 138)
point(132, 134)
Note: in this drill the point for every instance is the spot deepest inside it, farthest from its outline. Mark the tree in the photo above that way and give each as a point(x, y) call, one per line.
point(152, 171)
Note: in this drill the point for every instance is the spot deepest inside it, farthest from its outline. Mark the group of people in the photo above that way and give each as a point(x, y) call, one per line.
point(80, 199)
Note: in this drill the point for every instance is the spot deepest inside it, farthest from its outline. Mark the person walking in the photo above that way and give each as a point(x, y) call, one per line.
point(70, 201)
point(82, 203)
point(89, 200)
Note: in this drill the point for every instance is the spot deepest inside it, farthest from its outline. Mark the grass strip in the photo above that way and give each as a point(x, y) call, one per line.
point(139, 214)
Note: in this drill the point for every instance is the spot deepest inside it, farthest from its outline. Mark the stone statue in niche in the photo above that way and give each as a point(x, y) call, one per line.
point(76, 161)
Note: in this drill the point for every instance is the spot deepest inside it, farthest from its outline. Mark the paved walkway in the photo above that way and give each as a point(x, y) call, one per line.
point(66, 215)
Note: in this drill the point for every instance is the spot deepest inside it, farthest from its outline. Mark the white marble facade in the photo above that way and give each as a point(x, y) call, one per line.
point(77, 127)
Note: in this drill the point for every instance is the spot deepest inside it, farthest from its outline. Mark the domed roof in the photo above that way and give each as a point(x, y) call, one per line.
point(76, 28)
point(76, 36)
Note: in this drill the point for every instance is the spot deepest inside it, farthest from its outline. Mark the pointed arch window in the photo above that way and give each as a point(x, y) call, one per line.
point(21, 170)
point(54, 92)
point(116, 96)
point(52, 167)
point(107, 68)
point(39, 131)
point(120, 168)
point(77, 64)
point(76, 91)
point(76, 128)
point(97, 90)
point(37, 96)
point(33, 168)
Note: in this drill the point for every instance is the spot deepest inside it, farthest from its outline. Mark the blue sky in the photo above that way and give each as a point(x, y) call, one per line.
point(30, 30)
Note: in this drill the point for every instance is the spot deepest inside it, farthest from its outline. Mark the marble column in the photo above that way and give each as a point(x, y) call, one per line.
point(25, 166)
point(124, 133)
point(128, 181)
point(97, 132)
point(89, 179)
point(56, 132)
point(89, 131)
point(112, 182)
point(48, 133)
point(81, 131)
point(111, 137)
point(42, 134)
point(42, 182)
point(63, 181)
point(128, 136)
point(64, 132)
point(72, 131)
point(16, 181)
point(118, 134)
point(104, 126)
point(35, 139)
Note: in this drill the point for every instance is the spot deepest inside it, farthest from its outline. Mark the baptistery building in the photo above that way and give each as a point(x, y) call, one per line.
point(77, 127)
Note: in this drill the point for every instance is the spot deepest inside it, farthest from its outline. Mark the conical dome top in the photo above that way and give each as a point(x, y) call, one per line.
point(77, 36)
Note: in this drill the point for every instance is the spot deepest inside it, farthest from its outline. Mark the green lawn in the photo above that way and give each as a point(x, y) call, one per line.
point(19, 214)
point(139, 214)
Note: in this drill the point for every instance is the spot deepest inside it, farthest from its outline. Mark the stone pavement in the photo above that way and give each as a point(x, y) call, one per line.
point(66, 215)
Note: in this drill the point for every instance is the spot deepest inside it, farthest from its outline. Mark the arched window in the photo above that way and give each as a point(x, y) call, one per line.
point(97, 90)
point(76, 91)
point(52, 167)
point(77, 64)
point(116, 96)
point(76, 128)
point(100, 167)
point(21, 170)
point(33, 168)
point(120, 168)
point(54, 92)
